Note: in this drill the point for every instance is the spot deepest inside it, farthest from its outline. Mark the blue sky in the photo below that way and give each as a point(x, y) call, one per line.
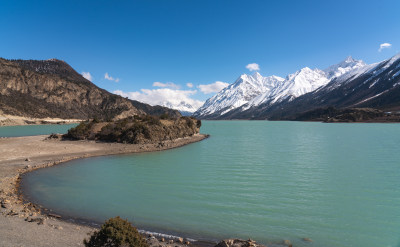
point(177, 42)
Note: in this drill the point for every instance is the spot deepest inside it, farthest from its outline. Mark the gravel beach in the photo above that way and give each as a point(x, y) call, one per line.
point(22, 223)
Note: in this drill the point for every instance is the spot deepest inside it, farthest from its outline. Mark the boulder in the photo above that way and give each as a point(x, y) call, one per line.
point(238, 243)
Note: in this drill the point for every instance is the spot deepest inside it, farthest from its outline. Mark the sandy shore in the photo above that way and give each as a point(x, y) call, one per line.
point(10, 120)
point(22, 224)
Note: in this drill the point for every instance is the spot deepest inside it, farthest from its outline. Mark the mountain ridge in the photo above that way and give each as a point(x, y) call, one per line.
point(301, 91)
point(52, 88)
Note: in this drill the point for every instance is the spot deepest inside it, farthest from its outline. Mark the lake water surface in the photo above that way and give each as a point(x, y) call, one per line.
point(32, 130)
point(338, 184)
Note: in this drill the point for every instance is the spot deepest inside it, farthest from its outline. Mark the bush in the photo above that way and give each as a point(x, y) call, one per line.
point(198, 123)
point(80, 131)
point(116, 232)
point(164, 116)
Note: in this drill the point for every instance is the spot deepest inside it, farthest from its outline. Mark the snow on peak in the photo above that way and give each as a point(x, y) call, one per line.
point(301, 82)
point(391, 60)
point(181, 106)
point(343, 67)
point(244, 89)
point(253, 90)
point(256, 75)
point(349, 59)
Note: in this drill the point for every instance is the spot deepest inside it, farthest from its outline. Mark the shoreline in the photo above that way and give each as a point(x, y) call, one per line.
point(24, 223)
point(11, 120)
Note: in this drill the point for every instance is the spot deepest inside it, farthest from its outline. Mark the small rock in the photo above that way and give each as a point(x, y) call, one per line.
point(162, 239)
point(170, 241)
point(187, 242)
point(12, 213)
point(58, 227)
point(223, 244)
point(307, 239)
point(28, 166)
point(27, 159)
point(179, 240)
point(54, 216)
point(287, 242)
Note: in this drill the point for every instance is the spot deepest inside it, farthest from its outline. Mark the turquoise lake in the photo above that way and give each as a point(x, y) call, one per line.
point(338, 184)
point(32, 130)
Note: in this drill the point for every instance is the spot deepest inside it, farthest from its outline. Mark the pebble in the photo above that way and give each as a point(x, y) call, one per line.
point(287, 242)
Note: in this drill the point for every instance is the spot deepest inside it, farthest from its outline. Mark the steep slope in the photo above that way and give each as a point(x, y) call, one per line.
point(52, 88)
point(369, 86)
point(243, 90)
point(299, 83)
point(232, 103)
point(304, 81)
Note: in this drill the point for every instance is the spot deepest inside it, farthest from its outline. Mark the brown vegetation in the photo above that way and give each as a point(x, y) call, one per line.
point(136, 129)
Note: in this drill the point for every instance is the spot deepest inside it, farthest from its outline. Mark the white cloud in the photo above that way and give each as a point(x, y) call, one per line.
point(213, 87)
point(384, 46)
point(163, 96)
point(189, 85)
point(87, 76)
point(110, 78)
point(166, 85)
point(253, 66)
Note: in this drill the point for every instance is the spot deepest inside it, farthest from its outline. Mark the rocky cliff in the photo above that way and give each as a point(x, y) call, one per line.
point(52, 88)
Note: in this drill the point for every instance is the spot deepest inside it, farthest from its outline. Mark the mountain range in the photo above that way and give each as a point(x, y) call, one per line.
point(52, 88)
point(348, 84)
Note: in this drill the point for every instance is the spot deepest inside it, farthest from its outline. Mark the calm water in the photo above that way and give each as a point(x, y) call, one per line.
point(338, 184)
point(32, 130)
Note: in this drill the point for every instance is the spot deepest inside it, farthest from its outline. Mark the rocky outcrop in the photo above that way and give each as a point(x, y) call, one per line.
point(238, 243)
point(52, 88)
point(136, 130)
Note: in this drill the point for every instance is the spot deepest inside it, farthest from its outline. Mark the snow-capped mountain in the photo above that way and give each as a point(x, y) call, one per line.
point(183, 107)
point(374, 86)
point(299, 83)
point(252, 91)
point(304, 81)
point(349, 64)
point(243, 90)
